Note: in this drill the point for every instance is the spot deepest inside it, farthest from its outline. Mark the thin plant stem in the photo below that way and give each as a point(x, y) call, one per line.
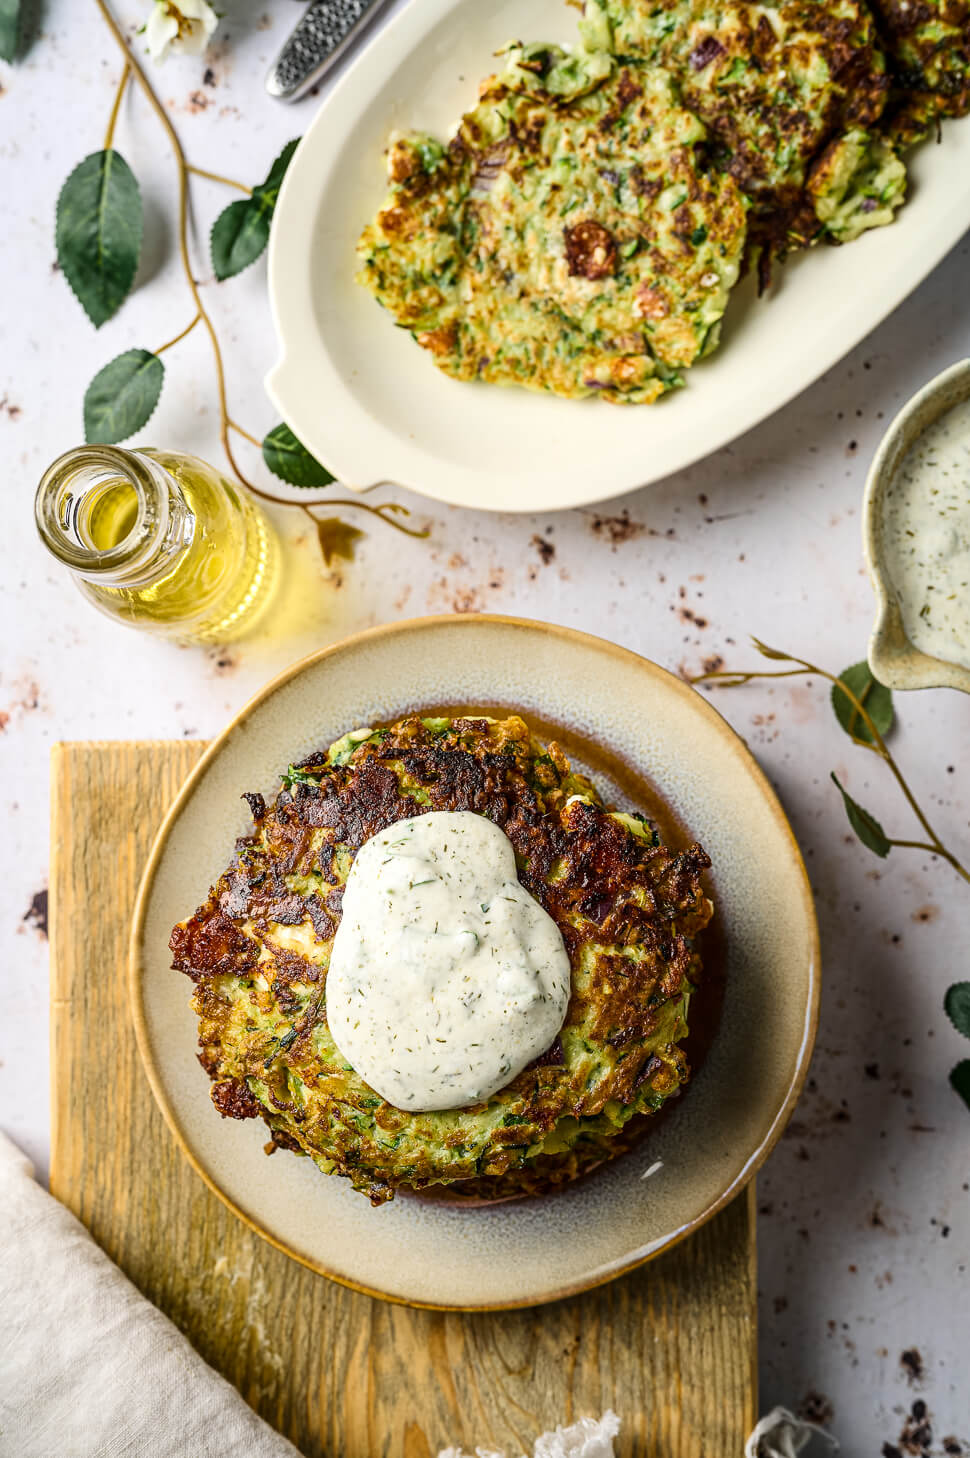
point(218, 177)
point(109, 135)
point(183, 211)
point(245, 435)
point(187, 330)
point(878, 745)
point(383, 511)
point(225, 423)
point(936, 850)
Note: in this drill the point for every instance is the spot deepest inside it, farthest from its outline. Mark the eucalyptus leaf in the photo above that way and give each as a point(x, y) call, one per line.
point(290, 460)
point(122, 396)
point(960, 1080)
point(876, 698)
point(99, 232)
point(239, 235)
point(957, 1006)
point(767, 652)
point(241, 231)
point(9, 29)
point(274, 178)
point(866, 826)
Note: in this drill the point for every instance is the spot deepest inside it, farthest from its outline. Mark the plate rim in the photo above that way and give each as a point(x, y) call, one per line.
point(357, 458)
point(135, 979)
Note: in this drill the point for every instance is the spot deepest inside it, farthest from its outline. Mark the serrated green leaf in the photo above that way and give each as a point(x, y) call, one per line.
point(241, 231)
point(239, 235)
point(290, 460)
point(866, 826)
point(869, 691)
point(956, 1003)
point(767, 652)
point(121, 397)
point(99, 231)
point(9, 29)
point(274, 178)
point(960, 1080)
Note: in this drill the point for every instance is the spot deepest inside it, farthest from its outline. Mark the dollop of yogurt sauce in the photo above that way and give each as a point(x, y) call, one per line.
point(926, 538)
point(446, 976)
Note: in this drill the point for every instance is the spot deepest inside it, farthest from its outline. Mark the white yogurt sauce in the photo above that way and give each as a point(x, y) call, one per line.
point(446, 977)
point(926, 538)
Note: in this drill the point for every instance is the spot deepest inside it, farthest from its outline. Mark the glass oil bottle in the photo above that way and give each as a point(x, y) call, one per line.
point(159, 541)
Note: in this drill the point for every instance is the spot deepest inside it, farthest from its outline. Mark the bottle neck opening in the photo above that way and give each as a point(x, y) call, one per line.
point(104, 512)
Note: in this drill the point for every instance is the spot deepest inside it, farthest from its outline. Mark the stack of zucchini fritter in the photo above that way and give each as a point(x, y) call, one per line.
point(628, 908)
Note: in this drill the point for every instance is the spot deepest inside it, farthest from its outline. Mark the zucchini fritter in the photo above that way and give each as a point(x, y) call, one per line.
point(627, 908)
point(774, 85)
point(571, 237)
point(928, 42)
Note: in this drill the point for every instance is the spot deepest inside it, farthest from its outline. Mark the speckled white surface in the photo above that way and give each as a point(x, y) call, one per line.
point(865, 1215)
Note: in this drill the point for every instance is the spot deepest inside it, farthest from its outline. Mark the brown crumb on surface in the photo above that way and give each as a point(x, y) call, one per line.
point(912, 1364)
point(545, 548)
point(618, 529)
point(916, 1437)
point(223, 660)
point(815, 1407)
point(36, 913)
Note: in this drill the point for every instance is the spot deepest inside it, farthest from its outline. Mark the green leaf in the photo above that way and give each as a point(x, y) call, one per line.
point(9, 29)
point(290, 460)
point(239, 235)
point(767, 652)
point(866, 826)
point(274, 178)
point(241, 231)
point(957, 1006)
point(99, 228)
point(869, 691)
point(960, 1080)
point(121, 397)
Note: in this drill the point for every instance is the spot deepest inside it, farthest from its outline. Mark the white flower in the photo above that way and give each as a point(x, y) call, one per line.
point(184, 27)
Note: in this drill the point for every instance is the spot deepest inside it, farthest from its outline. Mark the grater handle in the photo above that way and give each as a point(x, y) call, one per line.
point(327, 29)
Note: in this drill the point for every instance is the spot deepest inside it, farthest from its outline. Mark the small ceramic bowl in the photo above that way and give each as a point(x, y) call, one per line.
point(892, 657)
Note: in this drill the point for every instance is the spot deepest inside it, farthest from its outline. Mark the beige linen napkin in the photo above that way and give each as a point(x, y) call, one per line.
point(88, 1367)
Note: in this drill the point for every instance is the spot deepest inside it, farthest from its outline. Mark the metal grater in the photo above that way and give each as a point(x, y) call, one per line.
point(320, 38)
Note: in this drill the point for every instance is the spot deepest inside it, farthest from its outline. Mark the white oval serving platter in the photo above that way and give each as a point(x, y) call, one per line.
point(370, 404)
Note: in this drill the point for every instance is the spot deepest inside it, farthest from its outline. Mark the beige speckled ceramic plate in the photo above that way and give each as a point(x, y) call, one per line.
point(633, 720)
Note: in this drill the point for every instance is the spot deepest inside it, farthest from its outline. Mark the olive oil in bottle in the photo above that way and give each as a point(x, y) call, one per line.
point(159, 541)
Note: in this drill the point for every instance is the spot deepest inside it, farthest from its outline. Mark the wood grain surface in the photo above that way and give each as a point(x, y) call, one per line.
point(670, 1347)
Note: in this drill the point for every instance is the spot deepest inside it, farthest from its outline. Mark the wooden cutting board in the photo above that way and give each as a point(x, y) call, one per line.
point(670, 1347)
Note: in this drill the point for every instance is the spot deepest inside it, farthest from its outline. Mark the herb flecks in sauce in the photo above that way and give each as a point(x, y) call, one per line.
point(926, 538)
point(447, 977)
